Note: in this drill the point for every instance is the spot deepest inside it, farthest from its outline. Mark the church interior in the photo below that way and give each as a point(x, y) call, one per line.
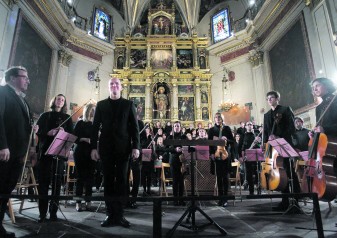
point(178, 60)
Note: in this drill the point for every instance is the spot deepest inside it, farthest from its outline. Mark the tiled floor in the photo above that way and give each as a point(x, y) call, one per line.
point(249, 218)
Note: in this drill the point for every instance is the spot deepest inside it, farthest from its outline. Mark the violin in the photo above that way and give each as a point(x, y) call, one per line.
point(273, 175)
point(221, 151)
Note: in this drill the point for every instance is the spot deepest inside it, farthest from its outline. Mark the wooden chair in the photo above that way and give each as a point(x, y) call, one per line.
point(11, 211)
point(69, 180)
point(27, 181)
point(164, 180)
point(236, 180)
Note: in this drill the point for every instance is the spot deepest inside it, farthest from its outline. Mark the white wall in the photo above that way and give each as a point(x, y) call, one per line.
point(7, 27)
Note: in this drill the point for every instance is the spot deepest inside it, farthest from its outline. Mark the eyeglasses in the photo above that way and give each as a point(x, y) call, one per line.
point(270, 98)
point(22, 76)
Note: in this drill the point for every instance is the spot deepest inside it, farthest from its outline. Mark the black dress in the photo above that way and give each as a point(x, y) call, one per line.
point(85, 166)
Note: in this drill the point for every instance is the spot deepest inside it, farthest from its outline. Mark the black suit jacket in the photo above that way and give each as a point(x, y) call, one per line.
point(285, 126)
point(15, 125)
point(119, 127)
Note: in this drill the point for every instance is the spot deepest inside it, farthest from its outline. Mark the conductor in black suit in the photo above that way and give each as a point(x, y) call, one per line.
point(15, 128)
point(116, 118)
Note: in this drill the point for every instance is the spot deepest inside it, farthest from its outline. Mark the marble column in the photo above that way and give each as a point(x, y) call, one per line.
point(64, 60)
point(197, 100)
point(259, 79)
point(174, 105)
point(148, 101)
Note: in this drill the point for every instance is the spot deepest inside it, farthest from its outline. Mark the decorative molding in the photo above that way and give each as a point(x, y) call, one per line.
point(66, 33)
point(256, 58)
point(11, 3)
point(64, 58)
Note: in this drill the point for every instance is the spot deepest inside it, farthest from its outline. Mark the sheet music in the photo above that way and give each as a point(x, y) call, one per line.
point(283, 148)
point(146, 155)
point(61, 144)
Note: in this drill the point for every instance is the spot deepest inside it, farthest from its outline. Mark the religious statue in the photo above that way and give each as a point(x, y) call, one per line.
point(161, 101)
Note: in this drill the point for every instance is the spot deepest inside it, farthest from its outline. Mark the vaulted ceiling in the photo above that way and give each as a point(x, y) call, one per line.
point(191, 12)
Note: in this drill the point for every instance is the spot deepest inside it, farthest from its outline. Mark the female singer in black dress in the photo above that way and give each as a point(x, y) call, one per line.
point(49, 168)
point(85, 166)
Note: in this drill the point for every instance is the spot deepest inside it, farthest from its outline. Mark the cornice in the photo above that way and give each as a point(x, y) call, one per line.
point(65, 31)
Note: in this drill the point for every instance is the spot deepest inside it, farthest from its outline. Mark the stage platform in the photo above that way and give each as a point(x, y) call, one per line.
point(249, 218)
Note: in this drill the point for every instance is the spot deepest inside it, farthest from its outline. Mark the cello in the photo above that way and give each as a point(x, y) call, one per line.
point(273, 176)
point(319, 175)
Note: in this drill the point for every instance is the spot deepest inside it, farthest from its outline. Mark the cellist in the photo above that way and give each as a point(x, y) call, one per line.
point(282, 118)
point(324, 88)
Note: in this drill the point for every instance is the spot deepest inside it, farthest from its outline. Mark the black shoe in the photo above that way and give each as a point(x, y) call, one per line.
point(41, 219)
point(123, 222)
point(108, 221)
point(79, 207)
point(53, 217)
point(251, 192)
point(182, 203)
point(225, 204)
point(6, 234)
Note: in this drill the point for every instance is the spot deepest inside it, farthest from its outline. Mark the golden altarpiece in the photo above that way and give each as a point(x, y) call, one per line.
point(165, 70)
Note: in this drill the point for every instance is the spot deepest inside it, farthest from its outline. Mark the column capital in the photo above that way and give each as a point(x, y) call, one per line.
point(64, 58)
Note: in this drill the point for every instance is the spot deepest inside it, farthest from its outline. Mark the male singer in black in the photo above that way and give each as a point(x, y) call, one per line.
point(222, 167)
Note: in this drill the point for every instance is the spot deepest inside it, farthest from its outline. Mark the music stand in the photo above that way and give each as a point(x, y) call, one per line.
point(285, 150)
point(192, 208)
point(255, 155)
point(146, 155)
point(60, 147)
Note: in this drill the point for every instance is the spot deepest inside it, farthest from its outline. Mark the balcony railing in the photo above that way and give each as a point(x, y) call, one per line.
point(250, 14)
point(70, 11)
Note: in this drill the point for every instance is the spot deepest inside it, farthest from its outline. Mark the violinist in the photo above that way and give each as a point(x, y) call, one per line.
point(49, 169)
point(147, 166)
point(250, 141)
point(282, 119)
point(222, 167)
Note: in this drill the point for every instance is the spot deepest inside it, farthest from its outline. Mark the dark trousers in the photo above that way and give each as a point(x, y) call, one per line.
point(10, 172)
point(222, 172)
point(251, 170)
point(85, 168)
point(177, 176)
point(50, 171)
point(147, 170)
point(115, 170)
point(135, 167)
